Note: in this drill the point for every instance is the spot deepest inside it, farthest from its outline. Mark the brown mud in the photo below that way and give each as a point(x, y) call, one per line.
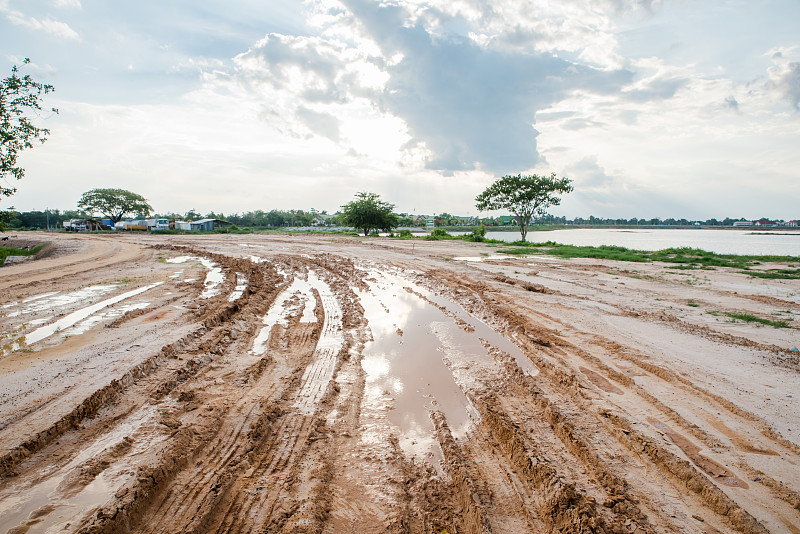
point(371, 385)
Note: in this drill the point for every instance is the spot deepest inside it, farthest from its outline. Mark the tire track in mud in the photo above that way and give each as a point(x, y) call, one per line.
point(258, 443)
point(156, 377)
point(276, 441)
point(544, 342)
point(255, 500)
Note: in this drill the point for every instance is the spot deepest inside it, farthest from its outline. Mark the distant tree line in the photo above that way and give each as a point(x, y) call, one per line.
point(38, 220)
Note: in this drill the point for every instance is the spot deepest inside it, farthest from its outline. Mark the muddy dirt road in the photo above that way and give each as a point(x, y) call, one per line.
point(307, 383)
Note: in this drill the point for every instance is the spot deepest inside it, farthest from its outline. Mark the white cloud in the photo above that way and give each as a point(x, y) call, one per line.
point(784, 76)
point(424, 102)
point(73, 4)
point(48, 25)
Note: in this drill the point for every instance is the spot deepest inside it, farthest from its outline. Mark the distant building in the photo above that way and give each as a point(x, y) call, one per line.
point(506, 220)
point(203, 225)
point(322, 219)
point(793, 223)
point(766, 222)
point(743, 223)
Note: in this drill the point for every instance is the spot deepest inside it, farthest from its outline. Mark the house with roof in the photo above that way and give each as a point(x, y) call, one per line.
point(203, 225)
point(766, 222)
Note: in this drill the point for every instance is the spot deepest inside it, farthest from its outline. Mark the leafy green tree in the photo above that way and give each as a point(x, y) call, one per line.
point(114, 203)
point(20, 97)
point(524, 196)
point(367, 212)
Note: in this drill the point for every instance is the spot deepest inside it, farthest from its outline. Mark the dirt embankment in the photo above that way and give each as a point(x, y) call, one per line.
point(322, 384)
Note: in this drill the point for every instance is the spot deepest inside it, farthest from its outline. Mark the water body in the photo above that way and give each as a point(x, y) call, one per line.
point(748, 242)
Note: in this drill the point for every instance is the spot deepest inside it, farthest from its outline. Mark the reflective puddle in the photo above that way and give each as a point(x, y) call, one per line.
point(76, 316)
point(214, 277)
point(482, 258)
point(420, 360)
point(59, 502)
point(241, 285)
point(297, 298)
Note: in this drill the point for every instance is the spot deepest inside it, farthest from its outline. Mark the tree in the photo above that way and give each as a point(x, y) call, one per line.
point(20, 97)
point(366, 212)
point(524, 196)
point(114, 203)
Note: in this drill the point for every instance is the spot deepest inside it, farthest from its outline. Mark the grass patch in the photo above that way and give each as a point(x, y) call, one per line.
point(683, 267)
point(11, 251)
point(692, 303)
point(749, 318)
point(685, 258)
point(783, 274)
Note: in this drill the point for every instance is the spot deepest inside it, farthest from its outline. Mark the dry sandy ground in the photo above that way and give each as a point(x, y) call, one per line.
point(335, 384)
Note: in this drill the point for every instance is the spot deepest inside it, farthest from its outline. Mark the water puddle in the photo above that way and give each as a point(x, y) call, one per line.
point(41, 309)
point(214, 277)
point(54, 301)
point(76, 316)
point(59, 500)
point(289, 302)
point(423, 359)
point(241, 285)
point(482, 258)
point(483, 331)
point(94, 320)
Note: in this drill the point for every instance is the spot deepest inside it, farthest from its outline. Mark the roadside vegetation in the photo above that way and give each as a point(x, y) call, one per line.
point(684, 257)
point(749, 318)
point(11, 251)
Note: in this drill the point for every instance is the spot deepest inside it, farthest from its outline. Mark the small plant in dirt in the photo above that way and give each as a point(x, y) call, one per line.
point(437, 234)
point(692, 303)
point(749, 318)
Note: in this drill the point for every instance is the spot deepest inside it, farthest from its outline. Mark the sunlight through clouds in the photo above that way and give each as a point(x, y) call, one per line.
point(302, 103)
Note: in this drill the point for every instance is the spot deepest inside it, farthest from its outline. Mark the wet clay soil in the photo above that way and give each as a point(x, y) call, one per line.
point(309, 383)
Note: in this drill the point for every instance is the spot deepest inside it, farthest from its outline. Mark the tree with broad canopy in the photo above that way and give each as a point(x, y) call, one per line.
point(114, 203)
point(367, 212)
point(524, 196)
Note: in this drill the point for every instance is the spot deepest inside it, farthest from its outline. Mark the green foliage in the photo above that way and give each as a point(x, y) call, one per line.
point(367, 212)
point(11, 251)
point(405, 233)
point(686, 258)
point(477, 235)
point(784, 274)
point(524, 196)
point(20, 97)
point(114, 203)
point(749, 318)
point(440, 233)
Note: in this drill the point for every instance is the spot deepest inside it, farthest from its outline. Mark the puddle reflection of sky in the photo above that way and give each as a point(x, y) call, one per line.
point(409, 367)
point(421, 360)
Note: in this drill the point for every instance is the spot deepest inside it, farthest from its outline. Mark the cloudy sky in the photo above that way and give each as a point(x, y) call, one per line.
point(685, 108)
